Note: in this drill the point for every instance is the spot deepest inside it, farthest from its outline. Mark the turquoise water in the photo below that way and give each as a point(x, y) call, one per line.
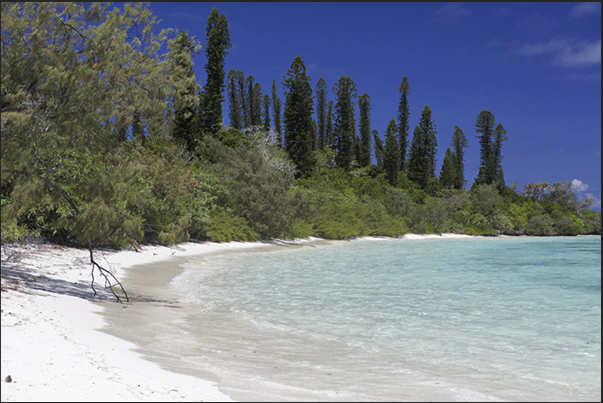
point(399, 319)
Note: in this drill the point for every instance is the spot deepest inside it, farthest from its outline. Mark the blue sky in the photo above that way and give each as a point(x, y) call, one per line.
point(535, 66)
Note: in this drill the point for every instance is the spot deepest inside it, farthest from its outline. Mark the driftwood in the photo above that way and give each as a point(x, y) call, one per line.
point(107, 275)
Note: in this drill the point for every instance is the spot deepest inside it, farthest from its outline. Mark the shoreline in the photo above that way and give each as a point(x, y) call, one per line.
point(55, 341)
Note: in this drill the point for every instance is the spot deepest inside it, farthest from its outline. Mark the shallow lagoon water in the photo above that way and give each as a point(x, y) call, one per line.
point(393, 319)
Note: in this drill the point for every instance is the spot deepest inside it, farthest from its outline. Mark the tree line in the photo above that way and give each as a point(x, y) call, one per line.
point(108, 141)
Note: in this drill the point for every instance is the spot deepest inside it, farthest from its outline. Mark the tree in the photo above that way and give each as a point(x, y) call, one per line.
point(182, 51)
point(365, 130)
point(345, 123)
point(448, 175)
point(500, 135)
point(329, 129)
point(234, 100)
point(391, 155)
point(403, 119)
point(422, 162)
point(487, 170)
point(245, 100)
point(458, 142)
point(276, 112)
point(379, 148)
point(321, 112)
point(218, 42)
point(299, 106)
point(72, 78)
point(256, 104)
point(266, 113)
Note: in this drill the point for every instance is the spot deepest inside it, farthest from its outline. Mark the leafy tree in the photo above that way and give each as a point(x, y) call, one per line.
point(391, 155)
point(403, 119)
point(182, 51)
point(345, 123)
point(458, 142)
point(448, 175)
point(500, 135)
point(365, 130)
point(379, 148)
point(234, 100)
point(266, 105)
point(321, 112)
point(218, 42)
point(73, 77)
point(276, 112)
point(299, 105)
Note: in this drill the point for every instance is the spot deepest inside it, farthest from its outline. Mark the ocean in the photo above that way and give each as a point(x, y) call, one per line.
point(462, 319)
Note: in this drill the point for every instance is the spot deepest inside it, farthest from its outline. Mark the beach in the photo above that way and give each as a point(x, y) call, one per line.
point(53, 348)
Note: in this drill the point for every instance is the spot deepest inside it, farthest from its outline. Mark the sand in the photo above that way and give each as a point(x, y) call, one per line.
point(53, 348)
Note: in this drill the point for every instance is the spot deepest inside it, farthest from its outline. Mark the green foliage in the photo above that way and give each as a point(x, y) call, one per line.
point(225, 227)
point(365, 130)
point(218, 42)
point(345, 123)
point(299, 105)
point(403, 120)
point(391, 154)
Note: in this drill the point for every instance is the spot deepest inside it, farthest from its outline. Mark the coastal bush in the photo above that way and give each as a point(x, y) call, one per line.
point(226, 227)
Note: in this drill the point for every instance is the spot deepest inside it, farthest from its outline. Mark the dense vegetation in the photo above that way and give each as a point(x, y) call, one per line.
point(108, 141)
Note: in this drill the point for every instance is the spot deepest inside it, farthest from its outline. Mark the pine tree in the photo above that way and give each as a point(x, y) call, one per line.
point(244, 97)
point(428, 131)
point(276, 112)
point(391, 154)
point(299, 106)
point(488, 169)
point(218, 42)
point(329, 129)
point(500, 135)
point(345, 123)
point(364, 104)
point(182, 51)
point(321, 112)
point(458, 143)
point(256, 105)
point(417, 159)
point(403, 119)
point(266, 113)
point(234, 100)
point(379, 148)
point(448, 175)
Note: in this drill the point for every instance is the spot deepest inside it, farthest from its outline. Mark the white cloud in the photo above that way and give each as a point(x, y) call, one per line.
point(452, 12)
point(579, 186)
point(582, 9)
point(566, 52)
point(597, 201)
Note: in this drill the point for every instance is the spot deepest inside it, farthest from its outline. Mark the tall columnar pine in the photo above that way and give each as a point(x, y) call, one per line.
point(379, 148)
point(458, 143)
point(182, 50)
point(403, 120)
point(490, 141)
point(218, 42)
point(500, 135)
point(250, 102)
point(448, 175)
point(330, 140)
point(256, 104)
point(276, 113)
point(364, 104)
point(266, 104)
point(234, 100)
point(345, 123)
point(299, 106)
point(422, 161)
point(391, 154)
point(244, 98)
point(321, 112)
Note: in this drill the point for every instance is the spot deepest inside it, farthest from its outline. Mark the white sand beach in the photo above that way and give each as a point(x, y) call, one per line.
point(52, 349)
